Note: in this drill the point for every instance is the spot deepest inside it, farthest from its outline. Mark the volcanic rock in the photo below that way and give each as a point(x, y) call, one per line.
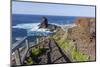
point(44, 23)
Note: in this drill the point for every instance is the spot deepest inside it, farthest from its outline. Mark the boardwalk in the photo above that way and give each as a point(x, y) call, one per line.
point(53, 55)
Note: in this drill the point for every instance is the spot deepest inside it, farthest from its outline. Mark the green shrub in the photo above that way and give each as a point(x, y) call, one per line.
point(30, 61)
point(37, 52)
point(78, 56)
point(64, 43)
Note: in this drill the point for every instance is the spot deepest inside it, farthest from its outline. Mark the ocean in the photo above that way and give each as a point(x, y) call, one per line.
point(22, 23)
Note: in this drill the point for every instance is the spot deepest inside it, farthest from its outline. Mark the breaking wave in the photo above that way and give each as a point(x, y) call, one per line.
point(33, 29)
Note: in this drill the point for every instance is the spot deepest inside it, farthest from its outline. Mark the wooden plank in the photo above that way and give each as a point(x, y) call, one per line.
point(37, 41)
point(27, 44)
point(24, 55)
point(17, 57)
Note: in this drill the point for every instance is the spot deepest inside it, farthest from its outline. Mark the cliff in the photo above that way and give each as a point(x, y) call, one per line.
point(83, 36)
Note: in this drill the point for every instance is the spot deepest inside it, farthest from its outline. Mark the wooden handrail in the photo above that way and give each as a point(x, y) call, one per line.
point(17, 44)
point(15, 49)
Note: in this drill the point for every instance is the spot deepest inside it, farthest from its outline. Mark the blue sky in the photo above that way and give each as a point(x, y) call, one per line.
point(52, 9)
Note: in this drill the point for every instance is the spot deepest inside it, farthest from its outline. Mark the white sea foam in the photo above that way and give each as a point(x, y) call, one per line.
point(33, 29)
point(55, 24)
point(27, 26)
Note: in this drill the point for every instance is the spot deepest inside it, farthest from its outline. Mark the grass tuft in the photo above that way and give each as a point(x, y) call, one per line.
point(78, 56)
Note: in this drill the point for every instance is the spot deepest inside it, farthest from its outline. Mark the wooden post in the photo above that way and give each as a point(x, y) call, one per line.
point(17, 57)
point(37, 40)
point(27, 44)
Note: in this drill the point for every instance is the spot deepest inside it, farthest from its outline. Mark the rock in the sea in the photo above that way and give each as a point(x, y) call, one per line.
point(44, 23)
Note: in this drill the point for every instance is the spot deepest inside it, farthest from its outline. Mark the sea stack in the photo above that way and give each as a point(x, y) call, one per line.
point(44, 23)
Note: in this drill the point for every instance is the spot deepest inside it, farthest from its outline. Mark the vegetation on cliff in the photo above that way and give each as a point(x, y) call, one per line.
point(34, 54)
point(61, 37)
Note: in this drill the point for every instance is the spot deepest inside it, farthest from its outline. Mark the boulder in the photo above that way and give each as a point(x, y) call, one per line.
point(44, 23)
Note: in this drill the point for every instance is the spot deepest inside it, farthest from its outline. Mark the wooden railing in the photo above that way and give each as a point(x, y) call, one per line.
point(17, 52)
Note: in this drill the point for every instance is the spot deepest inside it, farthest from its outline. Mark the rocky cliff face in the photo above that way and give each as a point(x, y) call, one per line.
point(83, 36)
point(86, 24)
